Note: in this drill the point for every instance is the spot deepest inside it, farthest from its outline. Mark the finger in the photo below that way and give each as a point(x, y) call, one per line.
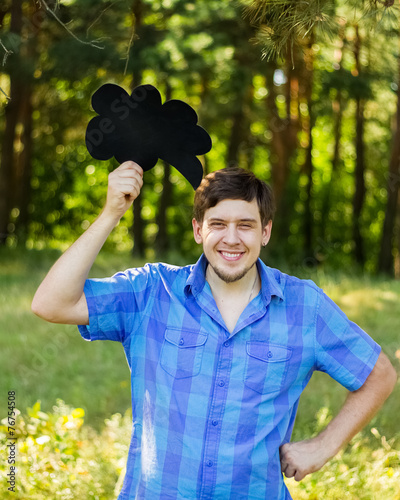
point(131, 165)
point(298, 476)
point(120, 179)
point(290, 471)
point(127, 188)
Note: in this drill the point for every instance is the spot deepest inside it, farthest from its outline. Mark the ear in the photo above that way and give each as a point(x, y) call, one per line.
point(197, 231)
point(266, 233)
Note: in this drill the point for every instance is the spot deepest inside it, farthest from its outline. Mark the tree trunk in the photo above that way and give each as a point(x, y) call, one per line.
point(337, 132)
point(139, 246)
point(240, 122)
point(236, 137)
point(308, 169)
point(337, 106)
point(24, 163)
point(202, 112)
point(359, 193)
point(11, 120)
point(162, 240)
point(385, 262)
point(308, 166)
point(23, 185)
point(284, 135)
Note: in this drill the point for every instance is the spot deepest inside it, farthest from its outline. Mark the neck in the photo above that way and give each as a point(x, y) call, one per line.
point(246, 287)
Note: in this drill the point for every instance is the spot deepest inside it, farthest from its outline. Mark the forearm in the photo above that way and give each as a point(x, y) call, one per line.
point(62, 288)
point(304, 457)
point(60, 297)
point(359, 408)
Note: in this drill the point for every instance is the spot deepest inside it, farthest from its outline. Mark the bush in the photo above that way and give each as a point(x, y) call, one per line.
point(368, 469)
point(60, 458)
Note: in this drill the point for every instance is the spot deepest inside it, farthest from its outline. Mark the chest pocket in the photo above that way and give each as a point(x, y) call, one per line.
point(182, 352)
point(266, 366)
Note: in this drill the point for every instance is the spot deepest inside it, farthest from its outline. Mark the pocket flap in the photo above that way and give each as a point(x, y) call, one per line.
point(270, 353)
point(185, 338)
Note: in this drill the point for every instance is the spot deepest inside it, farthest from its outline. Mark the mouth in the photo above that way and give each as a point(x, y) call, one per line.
point(231, 256)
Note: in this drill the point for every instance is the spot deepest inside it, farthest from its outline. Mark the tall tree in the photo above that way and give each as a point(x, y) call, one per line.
point(138, 7)
point(359, 192)
point(284, 129)
point(385, 261)
point(11, 120)
point(22, 179)
point(308, 166)
point(162, 240)
point(337, 107)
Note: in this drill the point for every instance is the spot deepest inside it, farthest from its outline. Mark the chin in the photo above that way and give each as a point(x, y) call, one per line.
point(231, 276)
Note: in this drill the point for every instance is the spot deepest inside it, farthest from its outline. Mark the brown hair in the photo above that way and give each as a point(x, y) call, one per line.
point(233, 183)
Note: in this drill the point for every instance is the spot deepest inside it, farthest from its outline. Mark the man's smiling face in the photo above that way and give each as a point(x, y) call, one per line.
point(232, 235)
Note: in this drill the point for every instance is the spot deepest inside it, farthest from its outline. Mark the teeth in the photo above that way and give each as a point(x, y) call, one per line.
point(227, 254)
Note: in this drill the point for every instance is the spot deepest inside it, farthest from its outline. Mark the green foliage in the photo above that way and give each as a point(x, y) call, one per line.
point(59, 457)
point(368, 469)
point(283, 24)
point(203, 52)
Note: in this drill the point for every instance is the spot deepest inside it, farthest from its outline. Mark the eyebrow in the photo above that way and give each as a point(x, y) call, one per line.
point(217, 219)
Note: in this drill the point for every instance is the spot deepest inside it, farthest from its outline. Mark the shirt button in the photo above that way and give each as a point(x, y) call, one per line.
point(215, 422)
point(209, 463)
point(181, 342)
point(221, 383)
point(227, 343)
point(269, 354)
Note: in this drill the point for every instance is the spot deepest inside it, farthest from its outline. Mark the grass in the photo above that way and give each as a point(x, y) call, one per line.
point(47, 363)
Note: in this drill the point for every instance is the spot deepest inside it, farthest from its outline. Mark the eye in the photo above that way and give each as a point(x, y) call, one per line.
point(245, 226)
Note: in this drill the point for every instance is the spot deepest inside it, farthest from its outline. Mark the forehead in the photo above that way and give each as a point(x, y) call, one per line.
point(234, 210)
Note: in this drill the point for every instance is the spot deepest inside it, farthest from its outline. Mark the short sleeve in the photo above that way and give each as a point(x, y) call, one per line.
point(115, 305)
point(343, 350)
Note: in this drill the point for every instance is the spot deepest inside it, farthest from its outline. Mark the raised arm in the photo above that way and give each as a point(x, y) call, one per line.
point(301, 458)
point(60, 297)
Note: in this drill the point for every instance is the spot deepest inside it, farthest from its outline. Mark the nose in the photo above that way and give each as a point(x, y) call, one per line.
point(231, 236)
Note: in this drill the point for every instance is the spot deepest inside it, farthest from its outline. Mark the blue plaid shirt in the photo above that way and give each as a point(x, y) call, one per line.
point(211, 408)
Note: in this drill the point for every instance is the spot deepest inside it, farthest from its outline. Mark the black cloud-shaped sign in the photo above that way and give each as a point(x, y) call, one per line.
point(138, 127)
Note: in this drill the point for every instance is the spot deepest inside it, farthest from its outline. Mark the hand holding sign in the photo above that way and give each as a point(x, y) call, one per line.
point(142, 129)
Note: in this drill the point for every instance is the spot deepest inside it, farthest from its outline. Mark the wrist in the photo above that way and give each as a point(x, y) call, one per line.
point(330, 443)
point(108, 219)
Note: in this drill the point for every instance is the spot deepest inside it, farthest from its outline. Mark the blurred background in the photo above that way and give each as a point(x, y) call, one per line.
point(313, 111)
point(305, 94)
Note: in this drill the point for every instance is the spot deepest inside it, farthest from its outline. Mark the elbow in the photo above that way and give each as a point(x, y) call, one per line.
point(36, 307)
point(393, 377)
point(39, 308)
point(390, 374)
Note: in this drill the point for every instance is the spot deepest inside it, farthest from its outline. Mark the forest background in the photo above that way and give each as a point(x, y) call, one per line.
point(305, 94)
point(321, 123)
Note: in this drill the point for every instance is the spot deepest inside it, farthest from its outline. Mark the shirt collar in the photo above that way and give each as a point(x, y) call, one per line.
point(270, 283)
point(270, 286)
point(197, 277)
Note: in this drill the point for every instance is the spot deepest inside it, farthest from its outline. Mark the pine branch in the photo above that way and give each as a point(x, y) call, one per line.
point(282, 24)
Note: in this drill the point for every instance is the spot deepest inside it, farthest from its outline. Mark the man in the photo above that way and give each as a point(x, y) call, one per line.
point(219, 352)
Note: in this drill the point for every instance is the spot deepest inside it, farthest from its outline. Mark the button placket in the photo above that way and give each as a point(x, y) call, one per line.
point(213, 433)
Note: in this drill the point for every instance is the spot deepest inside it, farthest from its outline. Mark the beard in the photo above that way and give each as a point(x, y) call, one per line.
point(231, 278)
